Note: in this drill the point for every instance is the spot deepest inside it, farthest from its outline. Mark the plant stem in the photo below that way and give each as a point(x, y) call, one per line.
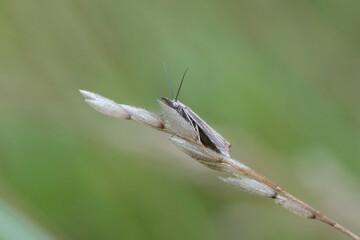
point(318, 215)
point(251, 173)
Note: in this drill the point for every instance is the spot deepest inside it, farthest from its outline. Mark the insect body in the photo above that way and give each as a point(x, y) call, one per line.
point(206, 134)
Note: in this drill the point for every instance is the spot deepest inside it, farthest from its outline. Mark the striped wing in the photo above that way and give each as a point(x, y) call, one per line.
point(221, 143)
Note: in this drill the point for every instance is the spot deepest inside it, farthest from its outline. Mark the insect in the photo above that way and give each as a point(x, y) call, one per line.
point(206, 134)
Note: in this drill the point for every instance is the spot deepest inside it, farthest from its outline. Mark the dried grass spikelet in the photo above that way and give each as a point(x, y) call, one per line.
point(197, 153)
point(251, 186)
point(293, 207)
point(191, 150)
point(105, 105)
point(186, 139)
point(111, 108)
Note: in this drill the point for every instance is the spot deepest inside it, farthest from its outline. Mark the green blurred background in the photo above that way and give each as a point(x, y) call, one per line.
point(278, 79)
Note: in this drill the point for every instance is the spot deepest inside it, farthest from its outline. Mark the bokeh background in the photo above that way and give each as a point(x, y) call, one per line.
point(278, 79)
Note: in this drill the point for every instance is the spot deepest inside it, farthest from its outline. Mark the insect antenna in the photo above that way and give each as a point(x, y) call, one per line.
point(177, 94)
point(167, 77)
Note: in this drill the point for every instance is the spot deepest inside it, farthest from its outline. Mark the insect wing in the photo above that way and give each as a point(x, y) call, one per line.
point(221, 143)
point(178, 123)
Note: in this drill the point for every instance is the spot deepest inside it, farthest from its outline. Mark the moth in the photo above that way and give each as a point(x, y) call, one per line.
point(196, 138)
point(205, 134)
